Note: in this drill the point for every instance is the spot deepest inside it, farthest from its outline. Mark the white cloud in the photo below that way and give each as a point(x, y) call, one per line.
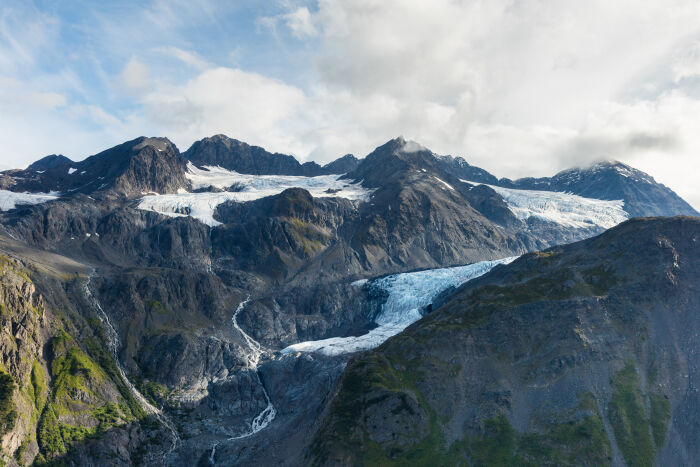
point(244, 105)
point(520, 88)
point(687, 64)
point(523, 87)
point(300, 22)
point(135, 77)
point(191, 59)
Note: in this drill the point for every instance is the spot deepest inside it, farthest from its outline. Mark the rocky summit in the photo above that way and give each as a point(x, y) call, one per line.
point(231, 306)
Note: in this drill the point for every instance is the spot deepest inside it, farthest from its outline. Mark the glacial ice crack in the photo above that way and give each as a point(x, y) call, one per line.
point(408, 294)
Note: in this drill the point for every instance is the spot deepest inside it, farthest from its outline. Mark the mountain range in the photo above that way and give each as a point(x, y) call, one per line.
point(221, 306)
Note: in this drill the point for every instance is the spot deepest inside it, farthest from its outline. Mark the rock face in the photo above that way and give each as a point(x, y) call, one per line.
point(581, 354)
point(170, 285)
point(642, 195)
point(50, 162)
point(461, 169)
point(342, 165)
point(59, 385)
point(231, 154)
point(21, 343)
point(132, 168)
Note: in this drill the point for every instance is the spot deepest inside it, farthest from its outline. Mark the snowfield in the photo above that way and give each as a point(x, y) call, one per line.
point(202, 206)
point(561, 208)
point(10, 199)
point(408, 295)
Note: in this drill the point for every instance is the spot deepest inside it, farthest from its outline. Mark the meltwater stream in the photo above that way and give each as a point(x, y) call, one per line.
point(264, 418)
point(113, 345)
point(408, 294)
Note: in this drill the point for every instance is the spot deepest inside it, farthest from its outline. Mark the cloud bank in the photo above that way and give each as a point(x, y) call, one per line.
point(520, 88)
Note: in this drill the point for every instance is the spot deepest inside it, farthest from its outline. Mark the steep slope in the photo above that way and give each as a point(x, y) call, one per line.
point(342, 165)
point(50, 162)
point(430, 217)
point(612, 180)
point(61, 391)
point(131, 168)
point(460, 168)
point(581, 355)
point(231, 154)
point(172, 267)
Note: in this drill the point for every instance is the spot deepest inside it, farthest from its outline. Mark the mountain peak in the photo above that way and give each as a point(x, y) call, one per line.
point(342, 165)
point(403, 145)
point(612, 180)
point(158, 143)
point(49, 162)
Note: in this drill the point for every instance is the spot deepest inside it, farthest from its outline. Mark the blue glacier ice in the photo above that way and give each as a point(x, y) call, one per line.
point(407, 295)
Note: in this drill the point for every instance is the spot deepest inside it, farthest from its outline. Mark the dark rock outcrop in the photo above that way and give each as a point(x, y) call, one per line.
point(582, 354)
point(231, 154)
point(50, 162)
point(612, 180)
point(342, 165)
point(170, 285)
point(66, 386)
point(129, 169)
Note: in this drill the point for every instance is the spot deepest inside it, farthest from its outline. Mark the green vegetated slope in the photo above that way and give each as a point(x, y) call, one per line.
point(578, 355)
point(58, 384)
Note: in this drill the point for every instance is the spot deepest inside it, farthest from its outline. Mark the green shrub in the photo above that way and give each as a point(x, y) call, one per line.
point(8, 412)
point(629, 422)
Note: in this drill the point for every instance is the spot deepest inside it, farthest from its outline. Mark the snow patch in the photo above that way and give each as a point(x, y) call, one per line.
point(444, 183)
point(202, 206)
point(10, 200)
point(71, 170)
point(408, 294)
point(561, 208)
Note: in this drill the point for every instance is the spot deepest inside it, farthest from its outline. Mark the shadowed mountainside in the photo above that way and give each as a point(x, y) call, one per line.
point(581, 354)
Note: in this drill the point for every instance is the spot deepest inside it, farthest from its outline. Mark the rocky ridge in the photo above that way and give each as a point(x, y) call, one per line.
point(170, 285)
point(580, 354)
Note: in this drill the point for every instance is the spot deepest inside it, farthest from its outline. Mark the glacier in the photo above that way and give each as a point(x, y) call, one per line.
point(10, 200)
point(561, 208)
point(408, 294)
point(202, 206)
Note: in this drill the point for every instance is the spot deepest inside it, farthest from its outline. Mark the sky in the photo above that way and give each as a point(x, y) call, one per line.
point(518, 87)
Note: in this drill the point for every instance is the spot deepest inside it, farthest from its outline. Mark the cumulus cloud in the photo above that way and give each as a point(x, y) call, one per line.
point(300, 22)
point(135, 77)
point(231, 101)
point(519, 88)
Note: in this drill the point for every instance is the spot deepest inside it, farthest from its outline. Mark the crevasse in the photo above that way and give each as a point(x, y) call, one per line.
point(408, 294)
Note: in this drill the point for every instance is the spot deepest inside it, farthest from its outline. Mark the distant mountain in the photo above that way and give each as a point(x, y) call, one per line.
point(231, 154)
point(461, 169)
point(50, 162)
point(583, 354)
point(611, 180)
point(138, 166)
point(342, 165)
point(640, 193)
point(186, 275)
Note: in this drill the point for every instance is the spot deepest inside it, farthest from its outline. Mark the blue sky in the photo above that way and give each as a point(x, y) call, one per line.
point(519, 87)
